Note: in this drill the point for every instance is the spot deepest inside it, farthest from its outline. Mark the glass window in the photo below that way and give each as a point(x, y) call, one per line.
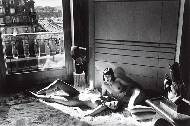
point(41, 49)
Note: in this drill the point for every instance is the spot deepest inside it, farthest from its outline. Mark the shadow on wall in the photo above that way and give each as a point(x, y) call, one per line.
point(121, 73)
point(101, 66)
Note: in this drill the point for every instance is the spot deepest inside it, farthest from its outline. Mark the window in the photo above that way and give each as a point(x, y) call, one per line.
point(1, 2)
point(39, 51)
point(26, 70)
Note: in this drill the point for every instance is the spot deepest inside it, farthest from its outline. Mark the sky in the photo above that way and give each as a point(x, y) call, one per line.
point(51, 3)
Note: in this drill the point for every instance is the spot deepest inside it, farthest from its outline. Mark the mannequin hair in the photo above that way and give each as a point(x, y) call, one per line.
point(109, 71)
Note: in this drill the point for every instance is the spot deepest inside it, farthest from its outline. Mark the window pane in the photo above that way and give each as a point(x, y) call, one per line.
point(35, 39)
point(34, 51)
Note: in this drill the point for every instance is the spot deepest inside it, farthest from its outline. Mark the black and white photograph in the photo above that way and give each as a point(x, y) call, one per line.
point(94, 62)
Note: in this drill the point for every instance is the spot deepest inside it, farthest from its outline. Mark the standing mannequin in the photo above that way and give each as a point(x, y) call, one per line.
point(79, 54)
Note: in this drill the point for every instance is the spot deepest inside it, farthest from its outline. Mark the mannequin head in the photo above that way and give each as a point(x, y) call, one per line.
point(108, 75)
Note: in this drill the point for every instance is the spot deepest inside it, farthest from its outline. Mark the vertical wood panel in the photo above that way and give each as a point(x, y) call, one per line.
point(137, 21)
point(185, 47)
point(91, 66)
point(67, 38)
point(80, 13)
point(101, 28)
point(148, 20)
point(130, 27)
point(121, 20)
point(180, 29)
point(169, 21)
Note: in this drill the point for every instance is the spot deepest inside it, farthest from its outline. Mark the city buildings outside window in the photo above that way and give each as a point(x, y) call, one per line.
point(31, 44)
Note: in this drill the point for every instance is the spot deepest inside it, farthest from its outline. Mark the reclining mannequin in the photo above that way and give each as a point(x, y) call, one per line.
point(118, 85)
point(118, 92)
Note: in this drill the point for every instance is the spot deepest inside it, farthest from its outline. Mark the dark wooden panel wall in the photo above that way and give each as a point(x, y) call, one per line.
point(80, 15)
point(185, 47)
point(67, 38)
point(139, 36)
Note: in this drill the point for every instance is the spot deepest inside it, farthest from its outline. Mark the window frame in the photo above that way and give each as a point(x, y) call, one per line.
point(66, 73)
